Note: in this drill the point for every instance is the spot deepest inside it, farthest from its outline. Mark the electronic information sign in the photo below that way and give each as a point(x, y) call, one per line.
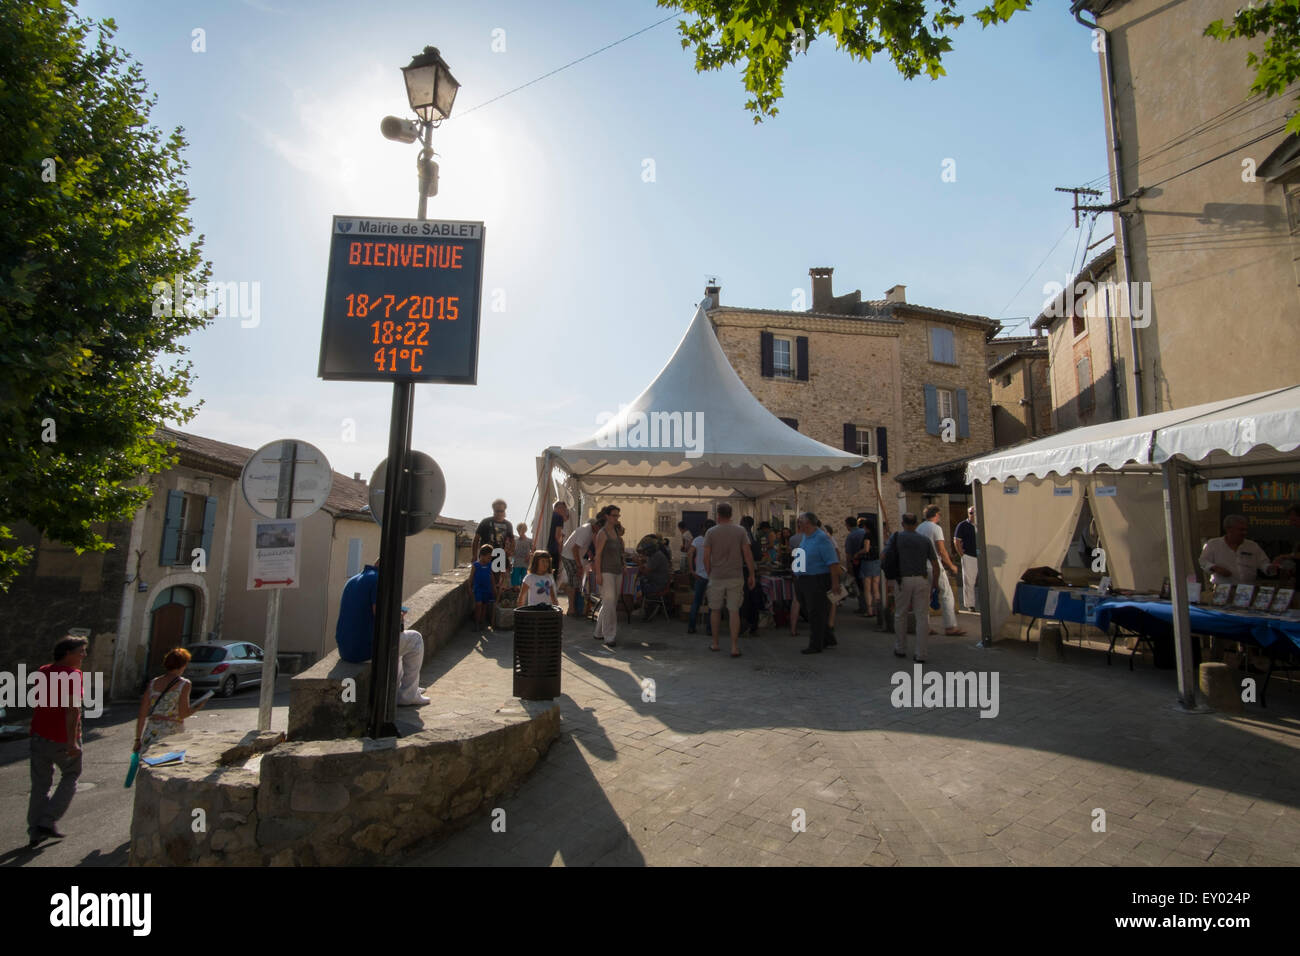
point(402, 301)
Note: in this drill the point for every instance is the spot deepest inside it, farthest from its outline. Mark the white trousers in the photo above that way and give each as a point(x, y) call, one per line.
point(912, 595)
point(611, 582)
point(947, 603)
point(970, 572)
point(410, 657)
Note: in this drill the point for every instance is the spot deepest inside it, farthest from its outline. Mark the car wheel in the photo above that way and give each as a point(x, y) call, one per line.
point(228, 686)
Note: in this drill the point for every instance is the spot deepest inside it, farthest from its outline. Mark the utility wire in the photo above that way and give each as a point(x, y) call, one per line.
point(558, 69)
point(1036, 268)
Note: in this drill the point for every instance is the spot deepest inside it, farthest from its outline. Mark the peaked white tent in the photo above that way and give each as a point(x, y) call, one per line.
point(695, 433)
point(1135, 472)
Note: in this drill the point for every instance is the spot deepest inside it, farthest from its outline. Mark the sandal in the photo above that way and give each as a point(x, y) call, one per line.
point(735, 654)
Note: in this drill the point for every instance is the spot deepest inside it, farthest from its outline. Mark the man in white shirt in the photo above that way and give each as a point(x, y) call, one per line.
point(931, 529)
point(1233, 559)
point(575, 564)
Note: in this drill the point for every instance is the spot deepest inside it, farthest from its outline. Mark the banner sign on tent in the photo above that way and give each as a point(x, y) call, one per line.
point(1011, 489)
point(1106, 491)
point(1225, 484)
point(1065, 491)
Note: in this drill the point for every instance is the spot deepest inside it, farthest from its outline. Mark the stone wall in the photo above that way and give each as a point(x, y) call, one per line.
point(330, 803)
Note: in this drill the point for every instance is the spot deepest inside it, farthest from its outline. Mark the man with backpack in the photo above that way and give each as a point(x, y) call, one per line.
point(904, 563)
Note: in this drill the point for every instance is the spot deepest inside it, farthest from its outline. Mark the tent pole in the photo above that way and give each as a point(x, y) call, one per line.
point(982, 560)
point(545, 489)
point(1176, 537)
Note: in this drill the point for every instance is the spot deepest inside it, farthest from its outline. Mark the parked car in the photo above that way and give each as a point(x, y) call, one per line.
point(226, 666)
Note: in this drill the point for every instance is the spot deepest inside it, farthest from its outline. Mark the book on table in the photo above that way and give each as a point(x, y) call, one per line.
point(1245, 592)
point(1282, 601)
point(1222, 593)
point(1263, 598)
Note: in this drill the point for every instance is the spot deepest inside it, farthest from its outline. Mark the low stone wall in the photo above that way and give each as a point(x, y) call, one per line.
point(330, 802)
point(317, 708)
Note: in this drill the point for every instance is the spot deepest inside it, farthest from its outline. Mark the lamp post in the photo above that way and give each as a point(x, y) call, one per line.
point(431, 90)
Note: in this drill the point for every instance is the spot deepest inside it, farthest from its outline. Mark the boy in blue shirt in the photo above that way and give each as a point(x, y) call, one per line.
point(484, 588)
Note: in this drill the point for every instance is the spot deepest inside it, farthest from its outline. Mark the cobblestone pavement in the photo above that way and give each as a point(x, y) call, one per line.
point(729, 754)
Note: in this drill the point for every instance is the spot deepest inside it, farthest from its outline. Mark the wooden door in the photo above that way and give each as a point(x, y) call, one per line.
point(168, 630)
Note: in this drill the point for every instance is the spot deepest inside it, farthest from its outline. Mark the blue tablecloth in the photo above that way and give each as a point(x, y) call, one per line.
point(1071, 605)
point(1156, 618)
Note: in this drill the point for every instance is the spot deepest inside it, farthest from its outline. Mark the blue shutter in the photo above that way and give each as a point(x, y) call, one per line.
point(768, 365)
point(171, 529)
point(354, 557)
point(882, 451)
point(931, 410)
point(209, 522)
point(851, 437)
point(801, 349)
point(963, 423)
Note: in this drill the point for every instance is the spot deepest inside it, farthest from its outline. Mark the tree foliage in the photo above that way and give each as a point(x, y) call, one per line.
point(1279, 66)
point(767, 34)
point(93, 208)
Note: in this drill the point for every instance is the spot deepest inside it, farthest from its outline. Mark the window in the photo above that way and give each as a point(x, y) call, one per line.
point(782, 366)
point(943, 347)
point(864, 442)
point(1083, 373)
point(1080, 325)
point(945, 404)
point(1005, 381)
point(792, 422)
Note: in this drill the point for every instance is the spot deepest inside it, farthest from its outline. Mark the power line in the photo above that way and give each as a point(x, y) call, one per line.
point(559, 69)
point(1035, 272)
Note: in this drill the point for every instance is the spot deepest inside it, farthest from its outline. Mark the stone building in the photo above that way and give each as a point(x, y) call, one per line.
point(1205, 188)
point(1085, 325)
point(151, 593)
point(1022, 395)
point(887, 378)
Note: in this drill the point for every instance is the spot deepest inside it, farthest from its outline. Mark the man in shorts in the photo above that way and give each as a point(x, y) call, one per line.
point(729, 563)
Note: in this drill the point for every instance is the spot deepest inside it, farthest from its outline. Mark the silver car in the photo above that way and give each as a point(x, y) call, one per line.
point(226, 666)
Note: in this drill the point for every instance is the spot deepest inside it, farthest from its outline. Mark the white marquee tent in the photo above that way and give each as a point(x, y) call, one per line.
point(695, 433)
point(1135, 474)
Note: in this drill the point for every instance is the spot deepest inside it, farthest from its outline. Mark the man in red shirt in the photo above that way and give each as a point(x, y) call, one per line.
point(56, 740)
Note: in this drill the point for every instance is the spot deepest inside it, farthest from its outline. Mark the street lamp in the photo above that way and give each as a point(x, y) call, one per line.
point(431, 89)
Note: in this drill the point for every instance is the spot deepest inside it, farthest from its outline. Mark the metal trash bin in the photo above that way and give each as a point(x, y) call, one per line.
point(539, 632)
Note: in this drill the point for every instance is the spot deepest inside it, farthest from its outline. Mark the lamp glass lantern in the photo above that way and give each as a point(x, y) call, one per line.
point(430, 87)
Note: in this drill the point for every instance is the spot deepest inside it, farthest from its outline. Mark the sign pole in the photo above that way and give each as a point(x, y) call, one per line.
point(392, 537)
point(283, 509)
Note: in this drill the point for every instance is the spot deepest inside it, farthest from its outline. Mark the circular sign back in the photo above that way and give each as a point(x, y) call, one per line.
point(425, 493)
point(294, 468)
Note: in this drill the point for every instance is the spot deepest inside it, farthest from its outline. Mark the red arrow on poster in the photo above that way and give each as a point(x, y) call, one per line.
point(258, 582)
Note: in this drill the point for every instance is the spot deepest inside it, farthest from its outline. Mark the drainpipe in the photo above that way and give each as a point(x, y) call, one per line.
point(1112, 126)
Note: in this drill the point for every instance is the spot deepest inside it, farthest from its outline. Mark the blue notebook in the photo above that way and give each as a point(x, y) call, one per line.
point(176, 756)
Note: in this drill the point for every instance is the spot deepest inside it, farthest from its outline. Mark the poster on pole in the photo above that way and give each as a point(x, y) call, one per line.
point(274, 554)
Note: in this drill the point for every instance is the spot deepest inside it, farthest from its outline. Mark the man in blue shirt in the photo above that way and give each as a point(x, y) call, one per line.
point(355, 634)
point(817, 571)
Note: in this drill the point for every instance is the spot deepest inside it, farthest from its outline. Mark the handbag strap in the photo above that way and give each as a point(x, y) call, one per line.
point(162, 695)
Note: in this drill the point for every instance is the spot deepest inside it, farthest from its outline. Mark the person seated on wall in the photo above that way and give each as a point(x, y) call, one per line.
point(355, 635)
point(1233, 558)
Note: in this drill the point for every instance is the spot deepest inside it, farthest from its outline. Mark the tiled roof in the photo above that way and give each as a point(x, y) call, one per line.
point(1031, 351)
point(937, 469)
point(1103, 261)
point(348, 496)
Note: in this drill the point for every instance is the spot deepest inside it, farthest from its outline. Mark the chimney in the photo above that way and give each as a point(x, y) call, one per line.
point(714, 292)
point(821, 288)
point(356, 476)
point(897, 293)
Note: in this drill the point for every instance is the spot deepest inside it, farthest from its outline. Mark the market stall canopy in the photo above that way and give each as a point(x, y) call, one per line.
point(697, 431)
point(1220, 432)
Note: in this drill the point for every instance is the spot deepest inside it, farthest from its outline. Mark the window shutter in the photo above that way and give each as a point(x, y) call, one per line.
point(354, 557)
point(209, 522)
point(882, 451)
point(437, 557)
point(765, 349)
point(931, 410)
point(792, 422)
point(171, 529)
point(801, 346)
point(963, 423)
point(851, 438)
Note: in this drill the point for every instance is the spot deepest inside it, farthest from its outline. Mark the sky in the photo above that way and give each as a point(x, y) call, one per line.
point(611, 192)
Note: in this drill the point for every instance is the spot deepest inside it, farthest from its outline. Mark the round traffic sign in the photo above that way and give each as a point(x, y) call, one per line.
point(288, 473)
point(426, 491)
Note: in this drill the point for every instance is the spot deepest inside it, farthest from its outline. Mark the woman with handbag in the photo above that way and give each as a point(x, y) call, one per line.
point(166, 702)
